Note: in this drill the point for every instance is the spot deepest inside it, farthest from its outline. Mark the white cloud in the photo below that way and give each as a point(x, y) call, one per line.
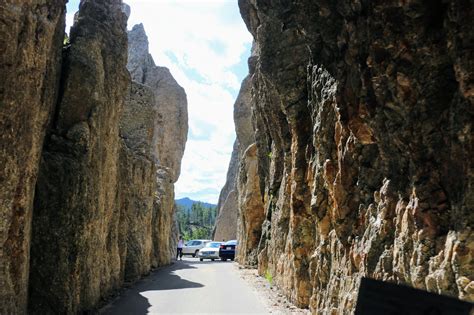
point(199, 41)
point(69, 21)
point(188, 30)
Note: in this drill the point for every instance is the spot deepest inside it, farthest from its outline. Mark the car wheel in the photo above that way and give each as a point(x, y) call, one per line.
point(212, 259)
point(196, 253)
point(232, 259)
point(224, 259)
point(201, 259)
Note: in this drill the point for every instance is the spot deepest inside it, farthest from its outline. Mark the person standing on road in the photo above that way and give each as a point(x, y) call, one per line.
point(179, 252)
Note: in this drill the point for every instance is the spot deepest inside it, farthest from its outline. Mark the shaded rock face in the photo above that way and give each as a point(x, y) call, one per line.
point(173, 240)
point(362, 115)
point(168, 138)
point(137, 182)
point(31, 34)
point(77, 188)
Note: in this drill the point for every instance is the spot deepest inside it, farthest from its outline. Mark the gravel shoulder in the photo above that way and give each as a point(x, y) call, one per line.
point(271, 296)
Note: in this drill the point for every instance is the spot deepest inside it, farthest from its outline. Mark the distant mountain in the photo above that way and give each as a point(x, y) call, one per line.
point(187, 203)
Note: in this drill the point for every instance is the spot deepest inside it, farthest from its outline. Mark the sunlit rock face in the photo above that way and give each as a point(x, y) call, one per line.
point(362, 115)
point(226, 222)
point(251, 214)
point(31, 34)
point(228, 205)
point(168, 136)
point(170, 101)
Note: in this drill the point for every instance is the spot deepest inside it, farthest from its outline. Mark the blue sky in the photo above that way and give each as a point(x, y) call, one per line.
point(205, 44)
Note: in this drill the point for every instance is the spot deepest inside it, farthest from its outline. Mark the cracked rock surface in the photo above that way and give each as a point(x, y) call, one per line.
point(31, 34)
point(362, 116)
point(89, 158)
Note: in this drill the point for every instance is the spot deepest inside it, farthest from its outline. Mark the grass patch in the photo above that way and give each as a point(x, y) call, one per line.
point(269, 277)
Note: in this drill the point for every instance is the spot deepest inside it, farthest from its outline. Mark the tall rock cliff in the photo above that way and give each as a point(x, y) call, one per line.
point(31, 34)
point(138, 184)
point(76, 218)
point(362, 165)
point(168, 137)
point(228, 204)
point(88, 158)
point(170, 101)
point(226, 221)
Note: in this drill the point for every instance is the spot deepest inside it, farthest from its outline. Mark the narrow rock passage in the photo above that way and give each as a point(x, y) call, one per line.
point(189, 286)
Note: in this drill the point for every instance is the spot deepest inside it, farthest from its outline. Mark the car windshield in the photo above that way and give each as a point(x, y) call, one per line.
point(213, 245)
point(233, 242)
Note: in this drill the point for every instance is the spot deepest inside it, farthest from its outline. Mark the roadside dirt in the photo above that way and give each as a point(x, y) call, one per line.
point(270, 295)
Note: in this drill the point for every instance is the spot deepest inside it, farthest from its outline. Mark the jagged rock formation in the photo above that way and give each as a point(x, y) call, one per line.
point(170, 102)
point(31, 34)
point(138, 184)
point(363, 117)
point(76, 219)
point(104, 196)
point(226, 221)
point(228, 204)
point(173, 239)
point(168, 137)
point(251, 214)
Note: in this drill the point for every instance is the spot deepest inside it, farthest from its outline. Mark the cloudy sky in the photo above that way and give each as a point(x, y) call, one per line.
point(205, 44)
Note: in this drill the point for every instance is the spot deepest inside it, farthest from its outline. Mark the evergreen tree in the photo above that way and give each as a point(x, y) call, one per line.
point(196, 222)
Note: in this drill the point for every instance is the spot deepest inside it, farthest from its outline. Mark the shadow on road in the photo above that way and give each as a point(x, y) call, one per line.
point(132, 301)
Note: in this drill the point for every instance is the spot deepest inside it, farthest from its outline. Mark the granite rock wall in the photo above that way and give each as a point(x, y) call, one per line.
point(168, 138)
point(31, 34)
point(76, 217)
point(89, 158)
point(137, 182)
point(228, 204)
point(362, 115)
point(227, 207)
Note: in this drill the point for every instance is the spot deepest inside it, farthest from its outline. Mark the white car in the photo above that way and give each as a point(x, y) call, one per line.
point(211, 251)
point(192, 247)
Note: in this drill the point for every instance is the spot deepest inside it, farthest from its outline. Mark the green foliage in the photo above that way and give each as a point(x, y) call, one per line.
point(66, 40)
point(197, 222)
point(269, 277)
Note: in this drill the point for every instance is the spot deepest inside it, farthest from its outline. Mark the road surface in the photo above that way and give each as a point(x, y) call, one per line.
point(189, 286)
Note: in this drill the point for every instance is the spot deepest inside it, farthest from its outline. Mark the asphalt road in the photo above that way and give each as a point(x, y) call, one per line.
point(189, 286)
